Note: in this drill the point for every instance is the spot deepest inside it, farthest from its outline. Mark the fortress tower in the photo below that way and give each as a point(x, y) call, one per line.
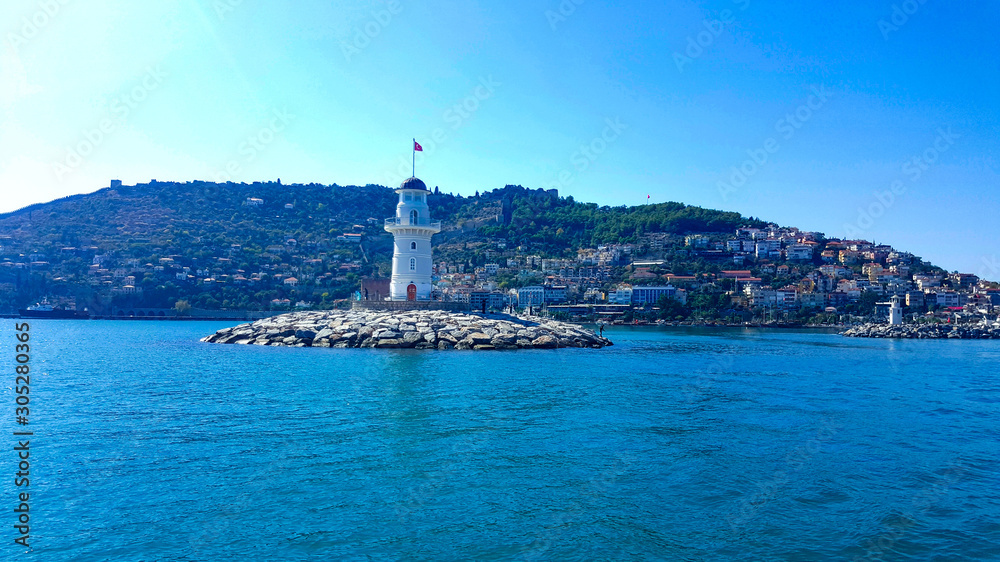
point(411, 230)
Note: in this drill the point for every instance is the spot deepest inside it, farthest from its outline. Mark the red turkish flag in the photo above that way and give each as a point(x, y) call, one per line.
point(417, 147)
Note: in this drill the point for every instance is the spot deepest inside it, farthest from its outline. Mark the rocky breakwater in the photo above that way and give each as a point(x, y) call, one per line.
point(925, 331)
point(419, 329)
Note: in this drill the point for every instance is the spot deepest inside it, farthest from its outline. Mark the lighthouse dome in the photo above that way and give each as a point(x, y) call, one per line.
point(413, 183)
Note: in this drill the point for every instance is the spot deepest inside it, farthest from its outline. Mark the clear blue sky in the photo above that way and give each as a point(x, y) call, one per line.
point(668, 99)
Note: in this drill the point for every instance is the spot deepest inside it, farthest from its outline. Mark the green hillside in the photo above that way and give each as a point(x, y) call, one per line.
point(167, 238)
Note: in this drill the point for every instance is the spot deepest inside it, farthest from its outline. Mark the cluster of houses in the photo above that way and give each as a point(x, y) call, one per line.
point(561, 280)
point(784, 270)
point(847, 270)
point(776, 269)
point(287, 265)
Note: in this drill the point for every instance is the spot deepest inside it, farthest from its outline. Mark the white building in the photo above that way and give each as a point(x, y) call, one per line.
point(762, 297)
point(489, 300)
point(621, 295)
point(696, 241)
point(948, 298)
point(649, 295)
point(554, 294)
point(799, 252)
point(765, 248)
point(411, 231)
point(786, 296)
point(532, 295)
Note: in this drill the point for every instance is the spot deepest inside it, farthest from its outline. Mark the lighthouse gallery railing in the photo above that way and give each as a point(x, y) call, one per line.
point(396, 221)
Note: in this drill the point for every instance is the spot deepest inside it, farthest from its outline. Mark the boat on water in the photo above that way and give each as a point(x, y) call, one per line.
point(44, 309)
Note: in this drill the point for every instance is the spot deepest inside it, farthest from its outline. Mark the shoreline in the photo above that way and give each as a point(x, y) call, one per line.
point(540, 319)
point(720, 325)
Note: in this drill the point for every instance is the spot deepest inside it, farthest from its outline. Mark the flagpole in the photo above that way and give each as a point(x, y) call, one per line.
point(413, 172)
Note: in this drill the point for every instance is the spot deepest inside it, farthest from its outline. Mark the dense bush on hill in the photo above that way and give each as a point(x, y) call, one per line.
point(562, 225)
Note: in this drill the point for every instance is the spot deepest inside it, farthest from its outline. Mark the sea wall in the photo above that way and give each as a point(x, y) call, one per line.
point(924, 331)
point(418, 329)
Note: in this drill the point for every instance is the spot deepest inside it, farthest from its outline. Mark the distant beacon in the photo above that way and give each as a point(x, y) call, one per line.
point(411, 230)
point(895, 311)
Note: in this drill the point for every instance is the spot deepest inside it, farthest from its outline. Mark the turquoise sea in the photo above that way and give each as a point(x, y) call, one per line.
point(674, 444)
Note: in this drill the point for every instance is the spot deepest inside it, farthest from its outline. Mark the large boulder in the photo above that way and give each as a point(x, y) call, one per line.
point(479, 338)
point(544, 342)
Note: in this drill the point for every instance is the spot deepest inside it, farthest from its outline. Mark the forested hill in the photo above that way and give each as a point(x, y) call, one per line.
point(543, 220)
point(175, 218)
point(232, 230)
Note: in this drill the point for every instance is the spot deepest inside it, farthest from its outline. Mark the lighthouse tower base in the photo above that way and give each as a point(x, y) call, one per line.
point(411, 305)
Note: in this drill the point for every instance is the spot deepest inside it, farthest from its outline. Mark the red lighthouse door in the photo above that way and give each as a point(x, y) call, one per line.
point(411, 292)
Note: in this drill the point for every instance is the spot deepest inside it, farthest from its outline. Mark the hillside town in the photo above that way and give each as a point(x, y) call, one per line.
point(764, 275)
point(772, 274)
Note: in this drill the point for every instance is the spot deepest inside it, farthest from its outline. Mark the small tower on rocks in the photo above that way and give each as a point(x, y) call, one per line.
point(411, 231)
point(895, 311)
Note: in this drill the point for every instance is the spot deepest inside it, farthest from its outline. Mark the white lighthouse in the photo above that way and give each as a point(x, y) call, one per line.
point(895, 311)
point(411, 230)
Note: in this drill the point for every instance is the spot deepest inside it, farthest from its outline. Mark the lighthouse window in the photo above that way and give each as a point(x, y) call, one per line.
point(413, 264)
point(413, 217)
point(407, 197)
point(413, 245)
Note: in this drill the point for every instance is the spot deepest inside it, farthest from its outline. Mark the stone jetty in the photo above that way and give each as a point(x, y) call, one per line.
point(417, 329)
point(925, 331)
